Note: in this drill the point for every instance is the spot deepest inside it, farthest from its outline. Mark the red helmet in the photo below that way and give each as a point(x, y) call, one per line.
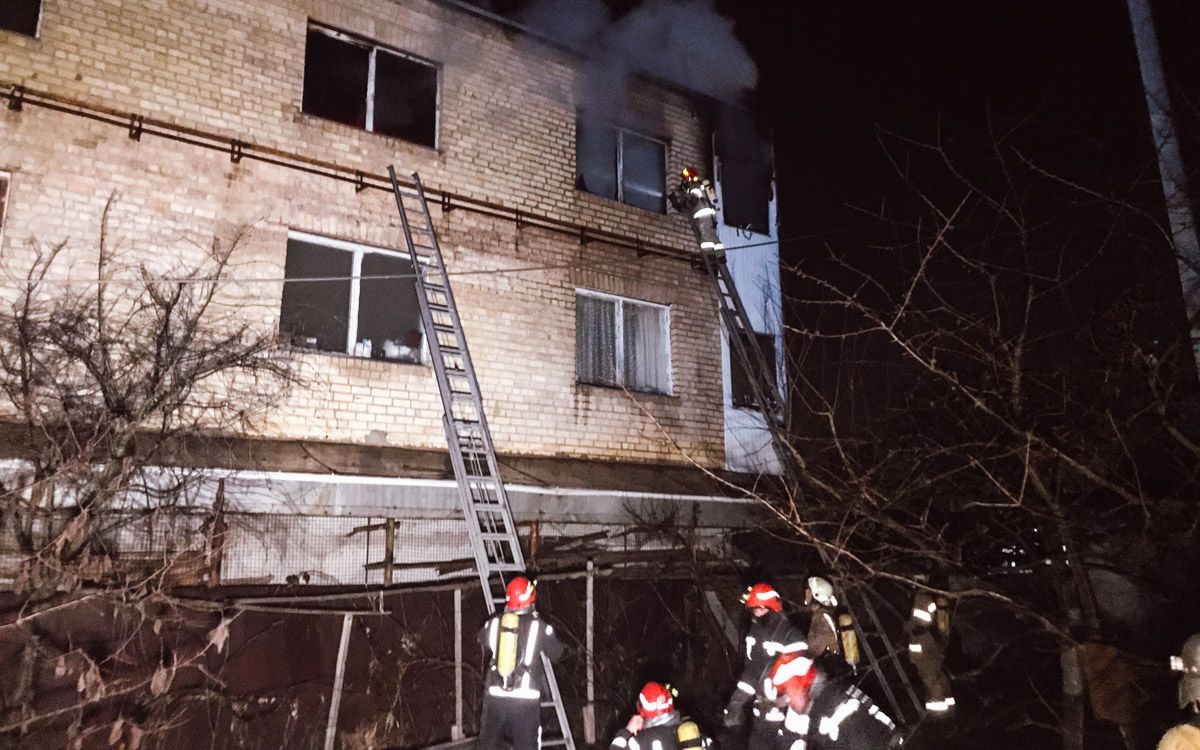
point(793, 671)
point(655, 700)
point(520, 592)
point(762, 595)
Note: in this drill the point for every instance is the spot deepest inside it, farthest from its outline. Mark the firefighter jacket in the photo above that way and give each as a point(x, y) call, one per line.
point(838, 717)
point(1184, 736)
point(668, 731)
point(768, 637)
point(516, 641)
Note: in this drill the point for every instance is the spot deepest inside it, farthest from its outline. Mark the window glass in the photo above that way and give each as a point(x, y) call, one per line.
point(389, 316)
point(596, 340)
point(646, 363)
point(20, 16)
point(621, 342)
point(373, 313)
point(596, 159)
point(643, 170)
point(315, 314)
point(335, 79)
point(742, 391)
point(405, 98)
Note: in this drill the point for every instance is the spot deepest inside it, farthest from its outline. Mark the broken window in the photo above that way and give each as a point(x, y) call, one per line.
point(622, 343)
point(21, 16)
point(747, 171)
point(742, 390)
point(621, 165)
point(346, 298)
point(358, 83)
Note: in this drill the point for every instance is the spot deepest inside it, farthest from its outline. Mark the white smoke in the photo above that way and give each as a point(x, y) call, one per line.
point(683, 42)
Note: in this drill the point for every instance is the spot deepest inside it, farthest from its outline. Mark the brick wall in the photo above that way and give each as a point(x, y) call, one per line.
point(235, 68)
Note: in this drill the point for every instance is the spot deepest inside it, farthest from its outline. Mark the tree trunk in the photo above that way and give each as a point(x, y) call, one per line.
point(1073, 698)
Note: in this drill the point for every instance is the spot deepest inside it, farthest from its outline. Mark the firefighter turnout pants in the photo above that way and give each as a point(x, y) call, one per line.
point(507, 719)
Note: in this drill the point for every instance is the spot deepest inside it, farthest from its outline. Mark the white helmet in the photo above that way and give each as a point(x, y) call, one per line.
point(822, 591)
point(1188, 662)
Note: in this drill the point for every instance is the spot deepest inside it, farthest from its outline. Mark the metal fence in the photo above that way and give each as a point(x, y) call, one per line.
point(197, 547)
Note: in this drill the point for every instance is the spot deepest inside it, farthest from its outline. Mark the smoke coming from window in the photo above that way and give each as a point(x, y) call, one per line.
point(684, 42)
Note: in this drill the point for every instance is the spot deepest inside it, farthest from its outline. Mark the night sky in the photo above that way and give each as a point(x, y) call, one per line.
point(834, 74)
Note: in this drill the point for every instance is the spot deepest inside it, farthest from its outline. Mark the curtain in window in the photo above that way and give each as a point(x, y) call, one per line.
point(595, 340)
point(646, 358)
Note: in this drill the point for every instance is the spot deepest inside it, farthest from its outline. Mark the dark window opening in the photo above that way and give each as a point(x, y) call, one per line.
point(357, 83)
point(350, 300)
point(746, 174)
point(405, 99)
point(21, 16)
point(620, 165)
point(742, 390)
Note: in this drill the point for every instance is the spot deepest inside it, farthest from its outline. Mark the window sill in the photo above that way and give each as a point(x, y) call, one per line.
point(307, 118)
point(623, 204)
point(581, 387)
point(342, 355)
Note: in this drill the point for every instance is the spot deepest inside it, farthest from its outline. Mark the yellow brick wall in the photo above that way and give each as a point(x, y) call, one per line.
point(507, 125)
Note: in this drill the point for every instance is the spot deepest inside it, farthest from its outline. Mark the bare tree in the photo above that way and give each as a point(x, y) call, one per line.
point(1008, 419)
point(103, 384)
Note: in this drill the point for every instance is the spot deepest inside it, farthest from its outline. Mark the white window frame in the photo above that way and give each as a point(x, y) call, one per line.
point(619, 326)
point(373, 48)
point(357, 250)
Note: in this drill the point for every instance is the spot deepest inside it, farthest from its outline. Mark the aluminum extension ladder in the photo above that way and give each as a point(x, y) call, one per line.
point(492, 531)
point(744, 346)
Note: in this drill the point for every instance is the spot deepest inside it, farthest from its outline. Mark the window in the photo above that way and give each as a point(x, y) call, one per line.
point(358, 83)
point(746, 173)
point(620, 342)
point(621, 165)
point(332, 303)
point(21, 16)
point(743, 392)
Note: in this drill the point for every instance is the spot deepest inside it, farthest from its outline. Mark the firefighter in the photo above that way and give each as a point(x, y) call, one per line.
point(823, 632)
point(771, 633)
point(657, 725)
point(1186, 735)
point(516, 639)
point(821, 713)
point(696, 199)
point(832, 639)
point(928, 627)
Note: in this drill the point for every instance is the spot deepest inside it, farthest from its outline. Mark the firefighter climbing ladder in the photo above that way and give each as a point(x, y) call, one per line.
point(744, 347)
point(490, 526)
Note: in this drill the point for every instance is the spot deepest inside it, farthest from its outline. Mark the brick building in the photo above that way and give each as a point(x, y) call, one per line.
point(595, 340)
point(268, 125)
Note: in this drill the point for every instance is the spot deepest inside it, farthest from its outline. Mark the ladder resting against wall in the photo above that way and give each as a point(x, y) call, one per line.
point(491, 529)
point(882, 658)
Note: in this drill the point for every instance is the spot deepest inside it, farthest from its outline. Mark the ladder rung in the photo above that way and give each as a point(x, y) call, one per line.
point(506, 567)
point(496, 537)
